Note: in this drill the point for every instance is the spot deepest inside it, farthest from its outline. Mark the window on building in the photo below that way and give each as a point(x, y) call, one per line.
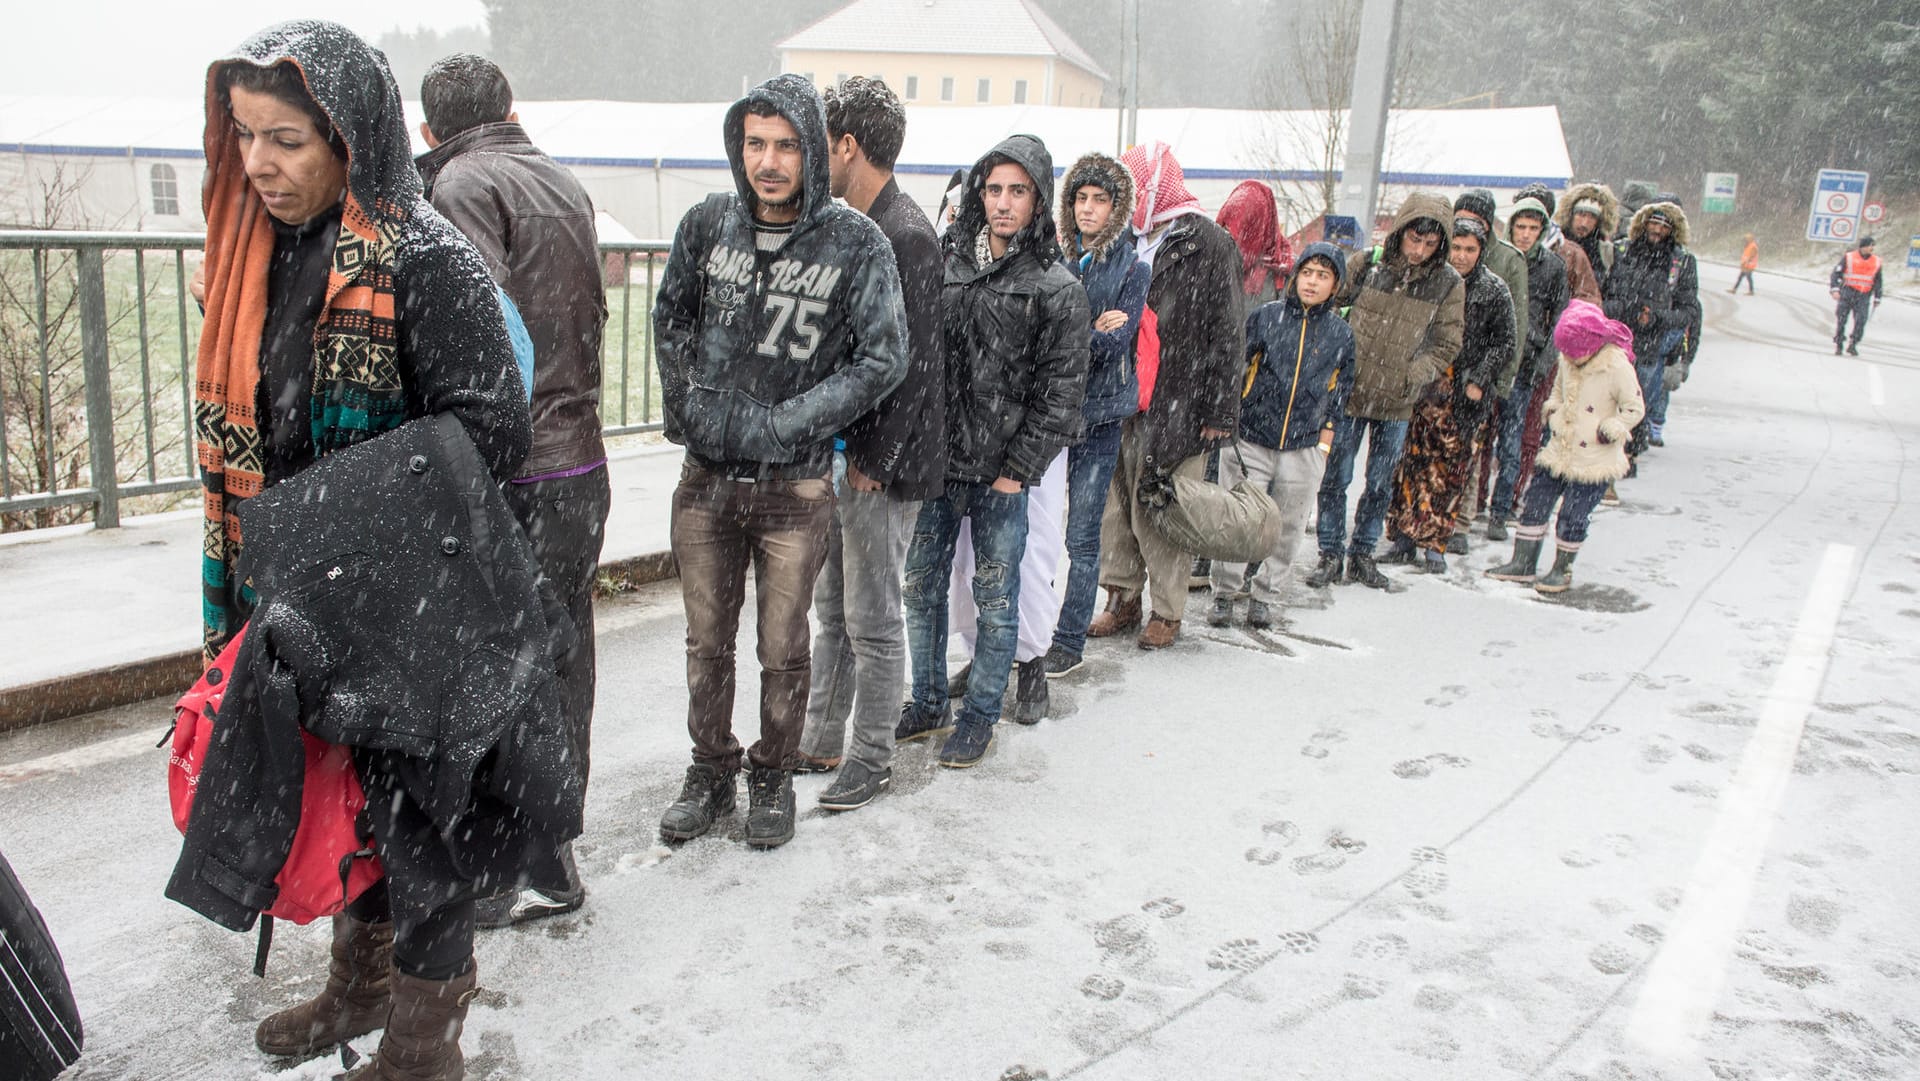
point(1019, 91)
point(946, 88)
point(913, 88)
point(985, 93)
point(166, 190)
point(840, 79)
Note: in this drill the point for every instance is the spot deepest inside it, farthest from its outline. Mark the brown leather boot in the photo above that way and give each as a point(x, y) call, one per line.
point(1159, 632)
point(1122, 614)
point(422, 1041)
point(353, 1002)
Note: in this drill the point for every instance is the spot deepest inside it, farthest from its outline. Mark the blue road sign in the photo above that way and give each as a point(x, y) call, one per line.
point(1838, 197)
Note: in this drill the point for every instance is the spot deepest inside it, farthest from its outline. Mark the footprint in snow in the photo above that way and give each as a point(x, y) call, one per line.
point(1319, 863)
point(1164, 907)
point(1237, 955)
point(1103, 988)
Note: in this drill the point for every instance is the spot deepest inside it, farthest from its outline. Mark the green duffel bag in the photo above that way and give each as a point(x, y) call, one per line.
point(1240, 524)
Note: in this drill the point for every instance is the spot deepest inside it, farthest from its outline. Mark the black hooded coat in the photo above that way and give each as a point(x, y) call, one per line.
point(1016, 335)
point(765, 356)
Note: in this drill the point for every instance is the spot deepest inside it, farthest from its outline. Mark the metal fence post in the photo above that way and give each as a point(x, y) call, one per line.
point(92, 281)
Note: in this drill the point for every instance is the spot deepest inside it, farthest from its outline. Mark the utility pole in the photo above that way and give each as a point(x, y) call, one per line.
point(1367, 119)
point(1131, 43)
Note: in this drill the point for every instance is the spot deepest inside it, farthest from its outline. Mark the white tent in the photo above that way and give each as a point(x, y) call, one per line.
point(137, 162)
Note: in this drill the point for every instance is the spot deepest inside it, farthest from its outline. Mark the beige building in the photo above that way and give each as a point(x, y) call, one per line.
point(949, 52)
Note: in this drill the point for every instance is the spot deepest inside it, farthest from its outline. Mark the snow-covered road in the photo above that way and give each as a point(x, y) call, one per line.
point(1657, 829)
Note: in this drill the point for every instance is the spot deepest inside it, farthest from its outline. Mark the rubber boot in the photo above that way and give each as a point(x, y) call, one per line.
point(1560, 578)
point(353, 1002)
point(1524, 565)
point(422, 1041)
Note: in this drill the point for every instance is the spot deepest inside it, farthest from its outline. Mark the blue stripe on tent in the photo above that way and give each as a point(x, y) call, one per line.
point(100, 151)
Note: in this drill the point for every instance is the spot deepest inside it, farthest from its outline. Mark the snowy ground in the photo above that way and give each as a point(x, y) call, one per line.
point(1446, 833)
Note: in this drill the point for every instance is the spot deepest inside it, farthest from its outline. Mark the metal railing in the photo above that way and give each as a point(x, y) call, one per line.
point(97, 348)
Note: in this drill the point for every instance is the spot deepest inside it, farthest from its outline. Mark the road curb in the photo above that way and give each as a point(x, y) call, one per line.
point(75, 695)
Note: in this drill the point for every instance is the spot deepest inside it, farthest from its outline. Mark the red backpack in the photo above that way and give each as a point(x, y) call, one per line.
point(330, 863)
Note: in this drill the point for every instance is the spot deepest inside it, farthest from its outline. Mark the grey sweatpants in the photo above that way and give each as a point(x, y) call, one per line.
point(1292, 478)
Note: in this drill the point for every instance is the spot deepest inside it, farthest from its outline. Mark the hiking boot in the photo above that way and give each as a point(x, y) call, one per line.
point(1836, 349)
point(1433, 562)
point(1457, 544)
point(1259, 615)
point(1560, 578)
point(769, 807)
point(957, 682)
point(967, 746)
point(916, 724)
point(1522, 567)
point(1122, 615)
point(1159, 633)
point(1327, 572)
point(353, 1002)
point(705, 796)
point(526, 903)
point(1853, 349)
point(1401, 554)
point(855, 787)
point(422, 1040)
point(1361, 569)
point(1030, 693)
point(1059, 662)
point(802, 762)
point(1221, 613)
point(1497, 527)
point(1202, 574)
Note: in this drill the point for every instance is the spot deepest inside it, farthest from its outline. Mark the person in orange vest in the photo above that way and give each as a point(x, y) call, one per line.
point(1749, 262)
point(1855, 281)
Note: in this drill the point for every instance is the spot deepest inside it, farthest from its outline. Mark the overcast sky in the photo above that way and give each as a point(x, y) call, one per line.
point(120, 47)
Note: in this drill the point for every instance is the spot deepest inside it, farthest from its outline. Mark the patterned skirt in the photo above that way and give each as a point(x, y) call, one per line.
point(1432, 475)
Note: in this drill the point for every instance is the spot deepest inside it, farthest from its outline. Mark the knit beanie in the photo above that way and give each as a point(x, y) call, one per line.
point(1584, 328)
point(1478, 201)
point(1541, 192)
point(1470, 226)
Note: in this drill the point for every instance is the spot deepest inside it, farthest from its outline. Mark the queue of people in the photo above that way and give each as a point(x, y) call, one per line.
point(902, 428)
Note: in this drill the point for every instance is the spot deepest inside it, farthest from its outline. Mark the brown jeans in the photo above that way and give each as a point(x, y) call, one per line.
point(720, 527)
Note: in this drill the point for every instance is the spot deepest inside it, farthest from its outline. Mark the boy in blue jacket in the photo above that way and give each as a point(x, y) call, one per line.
point(1299, 369)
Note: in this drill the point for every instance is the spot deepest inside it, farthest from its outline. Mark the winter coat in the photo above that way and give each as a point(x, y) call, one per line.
point(765, 356)
point(1194, 295)
point(398, 613)
point(1660, 280)
point(1115, 280)
point(533, 225)
point(902, 442)
point(1486, 341)
point(1505, 261)
point(1590, 415)
point(1300, 365)
point(1598, 246)
point(1581, 282)
point(1407, 320)
point(1547, 297)
point(1016, 336)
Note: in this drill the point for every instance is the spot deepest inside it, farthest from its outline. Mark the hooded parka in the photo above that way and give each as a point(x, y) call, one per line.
point(765, 356)
point(1016, 334)
point(1115, 280)
point(1299, 364)
point(1597, 246)
point(1590, 416)
point(1659, 281)
point(1407, 320)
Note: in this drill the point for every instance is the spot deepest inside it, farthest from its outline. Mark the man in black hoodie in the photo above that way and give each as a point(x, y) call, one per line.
point(533, 225)
point(778, 323)
point(1015, 326)
point(893, 458)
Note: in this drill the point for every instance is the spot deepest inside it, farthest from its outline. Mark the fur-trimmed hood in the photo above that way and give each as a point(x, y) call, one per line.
point(1107, 173)
point(1674, 214)
point(1581, 193)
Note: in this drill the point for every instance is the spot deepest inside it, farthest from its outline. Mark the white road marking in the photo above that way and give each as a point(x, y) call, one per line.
point(93, 754)
point(1685, 979)
point(1876, 387)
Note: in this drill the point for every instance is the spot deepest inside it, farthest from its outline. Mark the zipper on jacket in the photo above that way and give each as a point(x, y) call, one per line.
point(1298, 356)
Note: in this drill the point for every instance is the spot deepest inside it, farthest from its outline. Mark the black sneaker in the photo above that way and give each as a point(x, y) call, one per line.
point(1030, 693)
point(1360, 568)
point(1401, 554)
point(1059, 662)
point(967, 746)
point(1435, 563)
point(523, 905)
point(1497, 528)
point(1202, 574)
point(1853, 349)
point(1327, 572)
point(957, 683)
point(915, 724)
point(1221, 614)
point(855, 787)
point(769, 807)
point(1457, 545)
point(706, 795)
point(1259, 615)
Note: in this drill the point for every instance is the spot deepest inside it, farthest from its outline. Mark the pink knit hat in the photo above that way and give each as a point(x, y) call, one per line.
point(1584, 328)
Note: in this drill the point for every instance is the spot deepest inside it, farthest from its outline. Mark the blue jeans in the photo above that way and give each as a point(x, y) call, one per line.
point(1653, 387)
point(1387, 439)
point(1577, 500)
point(999, 526)
point(1089, 472)
point(1512, 430)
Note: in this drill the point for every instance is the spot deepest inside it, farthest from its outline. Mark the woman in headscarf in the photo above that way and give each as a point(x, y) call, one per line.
point(339, 306)
point(1252, 216)
point(1432, 474)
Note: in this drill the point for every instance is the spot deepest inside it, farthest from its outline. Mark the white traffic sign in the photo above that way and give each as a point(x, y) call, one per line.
point(1872, 213)
point(1839, 196)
